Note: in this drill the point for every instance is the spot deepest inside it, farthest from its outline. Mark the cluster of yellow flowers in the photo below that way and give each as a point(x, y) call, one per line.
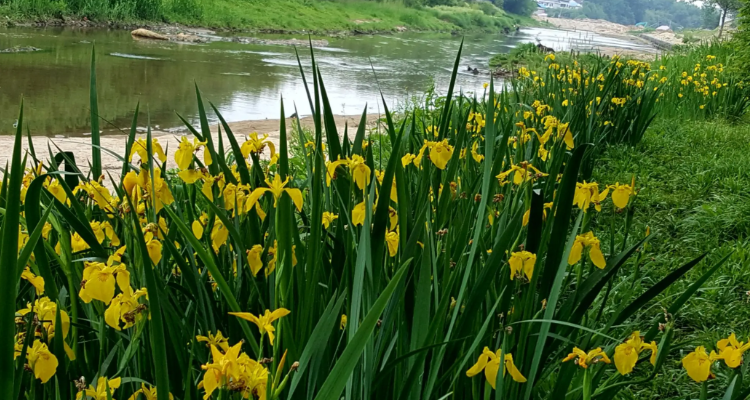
point(626, 357)
point(698, 363)
point(439, 153)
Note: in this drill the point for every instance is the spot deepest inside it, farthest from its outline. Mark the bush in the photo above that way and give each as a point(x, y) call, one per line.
point(486, 7)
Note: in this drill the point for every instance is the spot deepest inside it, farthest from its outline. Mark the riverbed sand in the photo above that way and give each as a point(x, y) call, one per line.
point(81, 146)
point(611, 29)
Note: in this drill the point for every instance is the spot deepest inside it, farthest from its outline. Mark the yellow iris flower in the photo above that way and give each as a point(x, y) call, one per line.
point(621, 194)
point(104, 230)
point(98, 193)
point(99, 281)
point(583, 359)
point(440, 153)
point(256, 145)
point(380, 174)
point(328, 218)
point(407, 159)
point(391, 238)
point(490, 363)
point(253, 259)
point(125, 308)
point(595, 251)
point(36, 281)
point(358, 214)
point(100, 392)
point(147, 393)
point(277, 188)
point(140, 148)
point(199, 224)
point(626, 354)
point(265, 321)
point(358, 169)
point(588, 193)
point(731, 350)
point(42, 362)
point(342, 323)
point(154, 248)
point(698, 364)
point(475, 154)
point(522, 262)
point(236, 370)
point(217, 340)
point(57, 191)
point(46, 313)
point(523, 172)
point(219, 235)
point(184, 154)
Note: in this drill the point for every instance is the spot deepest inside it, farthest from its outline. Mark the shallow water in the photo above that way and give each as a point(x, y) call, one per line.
point(244, 81)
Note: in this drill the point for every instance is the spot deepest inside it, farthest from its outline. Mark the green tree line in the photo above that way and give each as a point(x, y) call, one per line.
point(677, 14)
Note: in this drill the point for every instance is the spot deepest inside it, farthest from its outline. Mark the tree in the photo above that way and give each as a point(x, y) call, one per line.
point(521, 7)
point(711, 18)
point(724, 6)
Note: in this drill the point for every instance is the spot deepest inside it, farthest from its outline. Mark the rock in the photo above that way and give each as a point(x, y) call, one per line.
point(147, 34)
point(400, 29)
point(20, 49)
point(187, 38)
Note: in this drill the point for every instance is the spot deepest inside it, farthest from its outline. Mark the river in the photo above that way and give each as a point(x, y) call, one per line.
point(244, 81)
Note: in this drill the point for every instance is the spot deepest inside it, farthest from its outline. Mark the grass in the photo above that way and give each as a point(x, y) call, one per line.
point(695, 199)
point(321, 16)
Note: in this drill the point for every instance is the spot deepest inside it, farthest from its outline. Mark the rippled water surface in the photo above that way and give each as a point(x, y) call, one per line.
point(244, 81)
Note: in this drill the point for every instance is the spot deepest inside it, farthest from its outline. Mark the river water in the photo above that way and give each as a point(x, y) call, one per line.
point(244, 81)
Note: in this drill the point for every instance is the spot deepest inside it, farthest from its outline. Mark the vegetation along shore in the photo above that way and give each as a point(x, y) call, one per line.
point(277, 16)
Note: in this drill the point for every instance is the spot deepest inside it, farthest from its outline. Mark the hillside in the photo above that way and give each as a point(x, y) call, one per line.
point(318, 16)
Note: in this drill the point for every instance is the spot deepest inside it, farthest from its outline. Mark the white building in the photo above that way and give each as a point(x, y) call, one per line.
point(558, 4)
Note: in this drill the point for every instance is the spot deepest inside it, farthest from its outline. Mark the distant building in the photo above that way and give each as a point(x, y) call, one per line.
point(558, 4)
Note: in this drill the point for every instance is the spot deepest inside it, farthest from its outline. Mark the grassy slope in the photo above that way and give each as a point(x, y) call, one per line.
point(294, 15)
point(696, 198)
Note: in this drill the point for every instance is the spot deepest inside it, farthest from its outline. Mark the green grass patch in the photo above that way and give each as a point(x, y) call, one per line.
point(695, 197)
point(283, 15)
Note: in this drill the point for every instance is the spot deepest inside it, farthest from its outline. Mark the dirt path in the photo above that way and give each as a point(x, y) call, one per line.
point(81, 146)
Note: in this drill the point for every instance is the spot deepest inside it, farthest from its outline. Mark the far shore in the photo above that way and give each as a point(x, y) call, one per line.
point(80, 146)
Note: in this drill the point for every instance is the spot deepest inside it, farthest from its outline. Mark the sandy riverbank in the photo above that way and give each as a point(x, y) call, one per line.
point(81, 146)
point(607, 28)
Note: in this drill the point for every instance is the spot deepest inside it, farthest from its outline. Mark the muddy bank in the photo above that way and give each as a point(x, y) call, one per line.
point(81, 146)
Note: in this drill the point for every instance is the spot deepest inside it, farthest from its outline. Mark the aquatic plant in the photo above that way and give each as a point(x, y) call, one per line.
point(473, 244)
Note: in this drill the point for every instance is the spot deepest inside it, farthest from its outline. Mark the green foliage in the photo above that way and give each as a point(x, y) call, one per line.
point(522, 54)
point(655, 12)
point(694, 175)
point(309, 15)
point(520, 7)
point(487, 7)
point(436, 210)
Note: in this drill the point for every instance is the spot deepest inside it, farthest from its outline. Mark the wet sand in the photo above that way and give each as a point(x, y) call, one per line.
point(81, 146)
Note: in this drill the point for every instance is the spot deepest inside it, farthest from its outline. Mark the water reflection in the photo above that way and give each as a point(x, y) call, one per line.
point(244, 81)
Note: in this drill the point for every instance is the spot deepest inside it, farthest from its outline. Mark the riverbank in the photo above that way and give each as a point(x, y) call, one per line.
point(280, 16)
point(663, 39)
point(80, 146)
